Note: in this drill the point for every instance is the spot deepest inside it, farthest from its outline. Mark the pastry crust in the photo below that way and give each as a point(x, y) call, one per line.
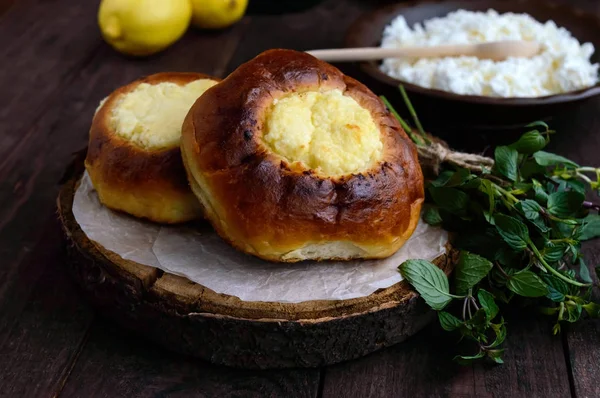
point(145, 182)
point(274, 209)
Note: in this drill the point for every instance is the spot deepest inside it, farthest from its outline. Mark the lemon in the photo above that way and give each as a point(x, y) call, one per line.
point(143, 27)
point(217, 14)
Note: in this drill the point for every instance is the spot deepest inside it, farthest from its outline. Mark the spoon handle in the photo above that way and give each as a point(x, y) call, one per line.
point(377, 53)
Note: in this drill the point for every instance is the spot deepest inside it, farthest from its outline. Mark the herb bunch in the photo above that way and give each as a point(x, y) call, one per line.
point(518, 226)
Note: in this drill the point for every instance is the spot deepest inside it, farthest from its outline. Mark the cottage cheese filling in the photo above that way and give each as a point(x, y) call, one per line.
point(563, 64)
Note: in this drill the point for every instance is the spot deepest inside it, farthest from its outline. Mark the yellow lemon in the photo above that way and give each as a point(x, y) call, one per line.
point(217, 14)
point(143, 27)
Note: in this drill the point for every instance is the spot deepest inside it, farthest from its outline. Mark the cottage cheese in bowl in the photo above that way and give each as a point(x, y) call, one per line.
point(563, 64)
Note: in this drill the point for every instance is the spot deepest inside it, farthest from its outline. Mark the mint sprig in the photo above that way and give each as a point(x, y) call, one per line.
point(518, 221)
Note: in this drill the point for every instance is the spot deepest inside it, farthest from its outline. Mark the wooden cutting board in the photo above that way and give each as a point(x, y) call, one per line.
point(189, 318)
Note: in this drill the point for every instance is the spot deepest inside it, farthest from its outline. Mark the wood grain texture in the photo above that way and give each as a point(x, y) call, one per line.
point(59, 72)
point(42, 342)
point(39, 322)
point(42, 43)
point(5, 5)
point(423, 367)
point(583, 342)
point(35, 64)
point(578, 137)
point(116, 364)
point(323, 26)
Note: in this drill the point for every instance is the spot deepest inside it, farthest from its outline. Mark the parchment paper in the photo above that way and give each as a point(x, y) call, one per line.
point(198, 254)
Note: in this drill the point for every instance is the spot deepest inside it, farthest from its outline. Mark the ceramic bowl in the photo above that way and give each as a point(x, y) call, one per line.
point(455, 110)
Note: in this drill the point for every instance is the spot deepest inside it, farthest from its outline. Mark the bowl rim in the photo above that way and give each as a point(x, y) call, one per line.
point(373, 70)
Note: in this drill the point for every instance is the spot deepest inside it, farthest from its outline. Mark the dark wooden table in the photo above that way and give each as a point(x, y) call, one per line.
point(54, 70)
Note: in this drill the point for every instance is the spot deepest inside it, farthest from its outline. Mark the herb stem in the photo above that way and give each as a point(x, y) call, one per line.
point(561, 311)
point(552, 270)
point(591, 206)
point(464, 311)
point(414, 137)
point(584, 177)
point(587, 169)
point(497, 264)
point(504, 192)
point(413, 114)
point(474, 303)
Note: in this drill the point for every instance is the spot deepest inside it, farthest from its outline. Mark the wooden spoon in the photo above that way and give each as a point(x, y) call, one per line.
point(496, 51)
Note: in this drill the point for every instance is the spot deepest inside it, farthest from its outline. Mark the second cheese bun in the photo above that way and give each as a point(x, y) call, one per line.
point(133, 158)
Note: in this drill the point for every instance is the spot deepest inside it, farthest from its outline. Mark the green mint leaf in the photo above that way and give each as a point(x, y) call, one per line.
point(572, 312)
point(469, 270)
point(442, 179)
point(484, 242)
point(591, 227)
point(496, 355)
point(451, 199)
point(429, 281)
point(527, 284)
point(529, 208)
point(523, 187)
point(539, 123)
point(584, 272)
point(468, 359)
point(473, 183)
point(555, 283)
point(592, 309)
point(540, 225)
point(550, 159)
point(576, 185)
point(563, 230)
point(459, 178)
point(529, 143)
point(479, 321)
point(513, 231)
point(530, 168)
point(555, 295)
point(500, 330)
point(541, 196)
point(506, 162)
point(431, 215)
point(486, 299)
point(565, 204)
point(554, 253)
point(487, 188)
point(507, 256)
point(448, 321)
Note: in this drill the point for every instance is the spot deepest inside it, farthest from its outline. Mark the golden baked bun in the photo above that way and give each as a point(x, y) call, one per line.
point(133, 158)
point(292, 160)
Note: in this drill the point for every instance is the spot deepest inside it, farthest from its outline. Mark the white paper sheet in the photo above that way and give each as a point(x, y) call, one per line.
point(198, 254)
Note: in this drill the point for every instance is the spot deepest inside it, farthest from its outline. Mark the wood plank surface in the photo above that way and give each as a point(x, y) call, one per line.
point(423, 367)
point(38, 55)
point(579, 137)
point(43, 341)
point(116, 364)
point(38, 331)
point(44, 359)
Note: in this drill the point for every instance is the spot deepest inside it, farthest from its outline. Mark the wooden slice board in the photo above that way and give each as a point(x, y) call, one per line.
point(189, 318)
